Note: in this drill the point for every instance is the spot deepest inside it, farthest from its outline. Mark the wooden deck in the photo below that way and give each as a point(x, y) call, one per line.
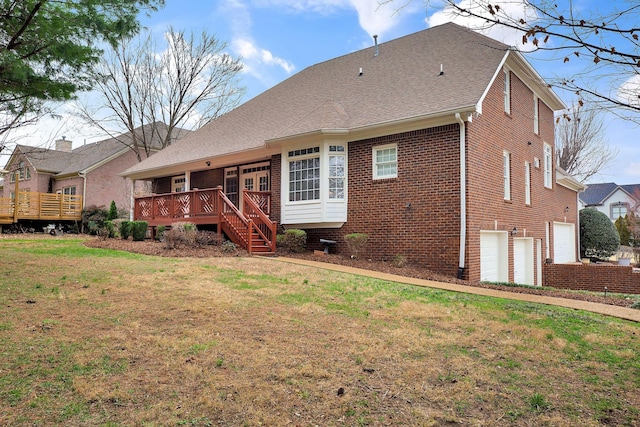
point(40, 207)
point(251, 229)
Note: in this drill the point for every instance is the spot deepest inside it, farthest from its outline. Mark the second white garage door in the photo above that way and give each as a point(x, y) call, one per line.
point(523, 260)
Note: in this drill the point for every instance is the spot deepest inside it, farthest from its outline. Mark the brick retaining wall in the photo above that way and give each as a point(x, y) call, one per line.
point(592, 277)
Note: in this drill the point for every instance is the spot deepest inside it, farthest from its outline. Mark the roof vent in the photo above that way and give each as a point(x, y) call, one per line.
point(375, 39)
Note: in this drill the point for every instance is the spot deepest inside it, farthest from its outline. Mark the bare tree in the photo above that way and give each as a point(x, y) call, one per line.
point(580, 147)
point(186, 85)
point(604, 47)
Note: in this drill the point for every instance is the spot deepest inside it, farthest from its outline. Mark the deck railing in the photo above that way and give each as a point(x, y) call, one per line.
point(40, 206)
point(252, 228)
point(197, 206)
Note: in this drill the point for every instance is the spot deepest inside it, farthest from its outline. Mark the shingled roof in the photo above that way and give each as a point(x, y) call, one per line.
point(597, 194)
point(355, 91)
point(80, 159)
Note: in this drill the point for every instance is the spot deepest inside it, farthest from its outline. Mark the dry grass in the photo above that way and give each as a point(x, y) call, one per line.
point(97, 337)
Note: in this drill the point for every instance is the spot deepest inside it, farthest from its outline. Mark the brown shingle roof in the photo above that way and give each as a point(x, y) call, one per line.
point(402, 82)
point(86, 156)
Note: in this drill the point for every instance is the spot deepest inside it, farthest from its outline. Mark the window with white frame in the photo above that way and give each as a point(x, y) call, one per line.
point(304, 174)
point(507, 92)
point(506, 160)
point(548, 165)
point(385, 161)
point(71, 191)
point(536, 116)
point(618, 210)
point(337, 162)
point(527, 183)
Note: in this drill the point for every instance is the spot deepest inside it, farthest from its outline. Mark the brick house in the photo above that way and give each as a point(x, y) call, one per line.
point(439, 145)
point(89, 170)
point(611, 199)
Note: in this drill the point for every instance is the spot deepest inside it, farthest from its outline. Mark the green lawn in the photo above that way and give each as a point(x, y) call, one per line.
point(106, 338)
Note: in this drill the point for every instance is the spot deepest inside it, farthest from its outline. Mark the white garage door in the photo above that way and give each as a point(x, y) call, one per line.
point(564, 243)
point(494, 256)
point(523, 261)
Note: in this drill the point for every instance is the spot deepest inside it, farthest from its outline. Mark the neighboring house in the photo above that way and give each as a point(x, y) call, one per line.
point(611, 199)
point(438, 145)
point(89, 170)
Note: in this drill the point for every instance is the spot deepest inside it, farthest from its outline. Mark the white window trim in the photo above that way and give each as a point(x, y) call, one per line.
point(507, 91)
point(306, 156)
point(527, 183)
point(506, 172)
point(536, 115)
point(548, 166)
point(612, 206)
point(374, 163)
point(338, 154)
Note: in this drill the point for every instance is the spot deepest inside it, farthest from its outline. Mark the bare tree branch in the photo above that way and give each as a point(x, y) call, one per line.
point(605, 47)
point(187, 84)
point(580, 148)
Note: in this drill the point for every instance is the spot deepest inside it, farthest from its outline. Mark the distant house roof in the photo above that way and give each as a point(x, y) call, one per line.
point(597, 194)
point(84, 157)
point(357, 92)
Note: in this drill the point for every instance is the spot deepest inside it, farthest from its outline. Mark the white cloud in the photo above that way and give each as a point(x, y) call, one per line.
point(509, 10)
point(257, 61)
point(629, 91)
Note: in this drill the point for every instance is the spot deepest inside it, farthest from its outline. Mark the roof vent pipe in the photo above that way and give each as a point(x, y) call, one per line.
point(375, 39)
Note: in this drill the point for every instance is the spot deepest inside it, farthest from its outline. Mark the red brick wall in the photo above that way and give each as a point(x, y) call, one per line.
point(276, 176)
point(594, 278)
point(104, 184)
point(207, 179)
point(427, 232)
point(488, 136)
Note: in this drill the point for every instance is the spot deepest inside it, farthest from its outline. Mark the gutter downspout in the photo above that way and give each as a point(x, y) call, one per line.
point(578, 224)
point(463, 199)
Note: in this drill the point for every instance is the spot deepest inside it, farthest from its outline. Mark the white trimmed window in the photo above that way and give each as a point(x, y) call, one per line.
point(527, 183)
point(506, 160)
point(71, 191)
point(548, 165)
point(507, 92)
point(618, 210)
point(304, 174)
point(385, 161)
point(337, 163)
point(536, 116)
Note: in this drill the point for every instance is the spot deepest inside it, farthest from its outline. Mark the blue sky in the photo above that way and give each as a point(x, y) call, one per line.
point(278, 38)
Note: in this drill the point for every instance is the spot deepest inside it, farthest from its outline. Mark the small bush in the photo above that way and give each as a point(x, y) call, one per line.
point(160, 230)
point(125, 229)
point(228, 247)
point(294, 240)
point(206, 238)
point(113, 211)
point(93, 218)
point(356, 243)
point(139, 230)
point(399, 261)
point(108, 230)
point(181, 234)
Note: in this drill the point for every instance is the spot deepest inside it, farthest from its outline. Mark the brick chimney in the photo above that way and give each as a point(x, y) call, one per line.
point(63, 145)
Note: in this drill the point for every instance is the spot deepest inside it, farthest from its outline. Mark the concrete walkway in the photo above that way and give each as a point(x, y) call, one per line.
point(605, 309)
